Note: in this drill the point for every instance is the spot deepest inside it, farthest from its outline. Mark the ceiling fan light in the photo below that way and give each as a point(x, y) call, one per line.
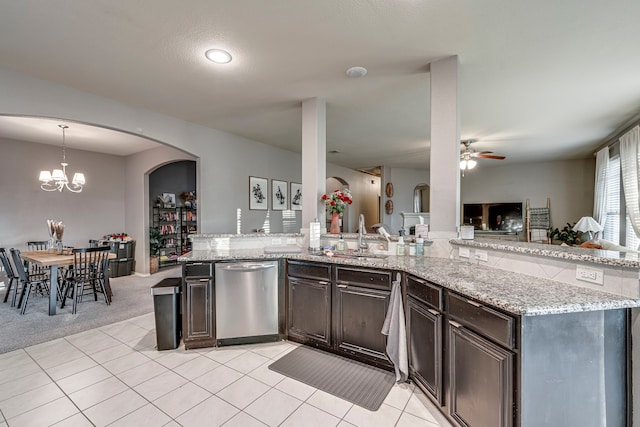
point(471, 164)
point(463, 164)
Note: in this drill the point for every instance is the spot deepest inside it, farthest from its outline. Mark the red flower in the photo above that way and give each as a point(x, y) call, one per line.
point(324, 197)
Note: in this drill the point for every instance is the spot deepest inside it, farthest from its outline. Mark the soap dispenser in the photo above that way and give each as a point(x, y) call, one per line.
point(419, 245)
point(400, 248)
point(341, 245)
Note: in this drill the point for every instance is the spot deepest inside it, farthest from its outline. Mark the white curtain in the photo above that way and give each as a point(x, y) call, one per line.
point(600, 190)
point(630, 161)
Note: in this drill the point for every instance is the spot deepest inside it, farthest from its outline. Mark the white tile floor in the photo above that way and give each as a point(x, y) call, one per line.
point(113, 376)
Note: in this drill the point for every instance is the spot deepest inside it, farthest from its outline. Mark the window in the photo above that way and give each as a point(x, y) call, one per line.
point(617, 228)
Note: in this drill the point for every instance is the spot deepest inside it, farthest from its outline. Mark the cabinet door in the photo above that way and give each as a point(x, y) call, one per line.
point(359, 315)
point(309, 314)
point(481, 375)
point(424, 328)
point(198, 313)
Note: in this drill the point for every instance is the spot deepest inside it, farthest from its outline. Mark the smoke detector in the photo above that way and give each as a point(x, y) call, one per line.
point(355, 72)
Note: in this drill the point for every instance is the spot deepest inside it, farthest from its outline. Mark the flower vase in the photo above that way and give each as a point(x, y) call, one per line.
point(52, 246)
point(335, 223)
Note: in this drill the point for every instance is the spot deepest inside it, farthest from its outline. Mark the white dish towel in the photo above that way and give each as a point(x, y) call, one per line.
point(395, 329)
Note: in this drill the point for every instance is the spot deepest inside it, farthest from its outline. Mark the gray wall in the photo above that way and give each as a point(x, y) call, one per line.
point(175, 178)
point(97, 211)
point(568, 183)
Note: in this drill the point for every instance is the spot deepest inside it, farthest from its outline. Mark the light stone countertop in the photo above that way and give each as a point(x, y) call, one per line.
point(596, 256)
point(515, 293)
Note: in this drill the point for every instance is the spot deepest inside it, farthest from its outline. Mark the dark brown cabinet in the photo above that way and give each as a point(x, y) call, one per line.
point(309, 303)
point(198, 302)
point(425, 335)
point(338, 308)
point(359, 309)
point(481, 364)
point(309, 316)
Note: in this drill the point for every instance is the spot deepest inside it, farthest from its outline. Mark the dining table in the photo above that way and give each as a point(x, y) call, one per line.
point(54, 261)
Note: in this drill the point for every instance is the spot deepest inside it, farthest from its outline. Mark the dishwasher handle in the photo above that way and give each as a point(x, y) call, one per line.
point(246, 267)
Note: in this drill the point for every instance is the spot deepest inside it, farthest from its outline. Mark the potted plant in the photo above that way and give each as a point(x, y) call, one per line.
point(154, 248)
point(565, 235)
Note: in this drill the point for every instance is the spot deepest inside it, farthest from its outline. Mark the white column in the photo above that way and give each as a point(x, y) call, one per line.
point(314, 161)
point(445, 146)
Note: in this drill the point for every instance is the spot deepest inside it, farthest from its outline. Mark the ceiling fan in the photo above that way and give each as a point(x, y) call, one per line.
point(468, 155)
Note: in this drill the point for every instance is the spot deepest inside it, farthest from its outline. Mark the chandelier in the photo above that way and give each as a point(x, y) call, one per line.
point(57, 179)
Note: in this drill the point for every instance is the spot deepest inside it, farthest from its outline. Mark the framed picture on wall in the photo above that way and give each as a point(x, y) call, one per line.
point(279, 195)
point(296, 196)
point(258, 193)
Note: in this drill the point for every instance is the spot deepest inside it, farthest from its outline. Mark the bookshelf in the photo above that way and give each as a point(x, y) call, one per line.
point(175, 225)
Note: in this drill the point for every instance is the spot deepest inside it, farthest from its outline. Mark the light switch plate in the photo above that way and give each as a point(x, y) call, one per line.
point(276, 242)
point(591, 275)
point(463, 252)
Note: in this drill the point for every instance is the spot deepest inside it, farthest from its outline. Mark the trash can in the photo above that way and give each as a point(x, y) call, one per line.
point(166, 307)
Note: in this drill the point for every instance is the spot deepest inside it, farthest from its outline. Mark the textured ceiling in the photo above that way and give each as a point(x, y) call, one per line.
point(538, 80)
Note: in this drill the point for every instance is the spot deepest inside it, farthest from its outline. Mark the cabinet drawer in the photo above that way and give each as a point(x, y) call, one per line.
point(310, 270)
point(424, 291)
point(484, 320)
point(367, 278)
point(198, 269)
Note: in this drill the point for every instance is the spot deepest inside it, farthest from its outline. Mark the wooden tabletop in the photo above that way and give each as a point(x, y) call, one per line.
point(46, 259)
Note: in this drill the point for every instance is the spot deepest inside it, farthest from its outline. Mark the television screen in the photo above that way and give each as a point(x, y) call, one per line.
point(493, 216)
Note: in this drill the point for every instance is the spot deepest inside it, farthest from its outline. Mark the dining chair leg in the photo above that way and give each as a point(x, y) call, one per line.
point(15, 293)
point(6, 296)
point(25, 294)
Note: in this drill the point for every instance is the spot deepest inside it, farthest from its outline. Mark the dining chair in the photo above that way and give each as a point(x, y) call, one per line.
point(34, 269)
point(27, 280)
point(88, 273)
point(14, 280)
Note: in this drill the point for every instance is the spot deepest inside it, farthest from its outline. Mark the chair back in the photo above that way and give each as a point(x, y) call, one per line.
point(6, 264)
point(38, 245)
point(89, 262)
point(17, 261)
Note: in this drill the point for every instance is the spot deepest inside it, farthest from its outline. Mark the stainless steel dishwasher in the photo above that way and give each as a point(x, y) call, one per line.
point(246, 302)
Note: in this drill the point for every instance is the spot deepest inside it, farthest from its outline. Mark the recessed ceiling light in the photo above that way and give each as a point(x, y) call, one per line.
point(218, 56)
point(355, 72)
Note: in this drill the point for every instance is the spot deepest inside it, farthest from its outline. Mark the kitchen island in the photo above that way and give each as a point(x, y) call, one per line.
point(510, 349)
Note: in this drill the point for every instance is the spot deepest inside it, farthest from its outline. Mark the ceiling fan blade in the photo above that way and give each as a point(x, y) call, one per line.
point(488, 156)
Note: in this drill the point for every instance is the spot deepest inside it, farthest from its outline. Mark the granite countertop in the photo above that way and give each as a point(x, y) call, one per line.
point(596, 256)
point(513, 292)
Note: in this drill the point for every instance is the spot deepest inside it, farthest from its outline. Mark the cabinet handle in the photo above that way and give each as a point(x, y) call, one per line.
point(473, 303)
point(323, 283)
point(455, 324)
point(342, 286)
point(434, 312)
point(196, 263)
point(203, 280)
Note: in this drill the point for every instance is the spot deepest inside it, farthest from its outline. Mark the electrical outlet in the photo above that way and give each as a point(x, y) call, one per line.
point(482, 256)
point(463, 252)
point(276, 242)
point(591, 275)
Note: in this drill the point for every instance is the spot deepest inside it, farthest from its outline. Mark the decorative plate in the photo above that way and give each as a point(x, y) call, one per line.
point(389, 207)
point(389, 189)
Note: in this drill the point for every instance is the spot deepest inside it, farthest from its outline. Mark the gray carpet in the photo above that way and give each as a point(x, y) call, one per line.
point(132, 298)
point(348, 379)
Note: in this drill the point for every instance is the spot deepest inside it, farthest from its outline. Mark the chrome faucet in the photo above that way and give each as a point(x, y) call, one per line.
point(362, 246)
